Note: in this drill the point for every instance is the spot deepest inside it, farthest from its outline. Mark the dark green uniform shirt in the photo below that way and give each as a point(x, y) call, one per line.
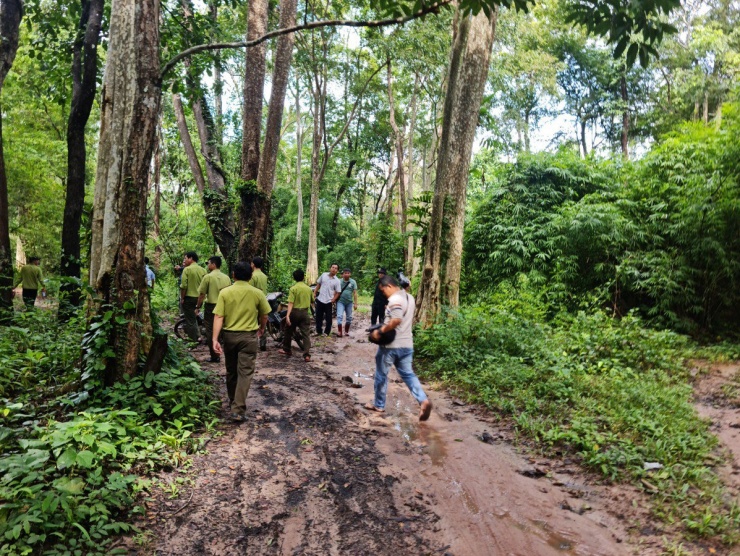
point(300, 295)
point(259, 280)
point(241, 305)
point(192, 276)
point(212, 283)
point(31, 277)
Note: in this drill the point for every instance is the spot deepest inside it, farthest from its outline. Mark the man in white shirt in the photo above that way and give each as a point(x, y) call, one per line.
point(399, 316)
point(328, 289)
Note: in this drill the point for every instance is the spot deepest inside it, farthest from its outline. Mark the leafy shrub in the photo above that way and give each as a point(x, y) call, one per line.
point(661, 236)
point(70, 463)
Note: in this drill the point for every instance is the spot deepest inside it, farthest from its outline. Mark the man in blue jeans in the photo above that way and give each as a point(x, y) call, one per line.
point(399, 316)
point(346, 302)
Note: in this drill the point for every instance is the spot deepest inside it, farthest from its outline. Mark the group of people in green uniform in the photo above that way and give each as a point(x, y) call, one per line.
point(235, 316)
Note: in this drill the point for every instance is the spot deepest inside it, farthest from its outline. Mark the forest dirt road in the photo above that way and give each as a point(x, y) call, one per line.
point(312, 472)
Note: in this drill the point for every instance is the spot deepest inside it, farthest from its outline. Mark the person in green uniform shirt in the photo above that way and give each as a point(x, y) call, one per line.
point(192, 275)
point(32, 281)
point(210, 286)
point(241, 312)
point(299, 302)
point(259, 281)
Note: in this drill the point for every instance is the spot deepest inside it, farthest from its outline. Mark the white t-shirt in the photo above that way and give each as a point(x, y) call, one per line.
point(401, 305)
point(329, 286)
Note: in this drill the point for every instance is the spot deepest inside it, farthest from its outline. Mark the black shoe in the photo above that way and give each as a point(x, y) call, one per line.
point(263, 348)
point(214, 360)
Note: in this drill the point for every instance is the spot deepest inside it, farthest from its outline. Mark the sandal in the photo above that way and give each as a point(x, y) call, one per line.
point(307, 358)
point(372, 407)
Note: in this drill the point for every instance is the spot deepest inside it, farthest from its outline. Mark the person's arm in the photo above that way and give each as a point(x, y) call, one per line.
point(218, 323)
point(354, 295)
point(41, 281)
point(316, 290)
point(287, 315)
point(199, 303)
point(337, 294)
point(183, 285)
point(387, 327)
point(263, 323)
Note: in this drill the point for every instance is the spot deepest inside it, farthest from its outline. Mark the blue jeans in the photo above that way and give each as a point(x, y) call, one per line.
point(343, 308)
point(402, 359)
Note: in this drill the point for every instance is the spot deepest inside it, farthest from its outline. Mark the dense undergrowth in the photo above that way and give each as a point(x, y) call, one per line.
point(73, 452)
point(612, 391)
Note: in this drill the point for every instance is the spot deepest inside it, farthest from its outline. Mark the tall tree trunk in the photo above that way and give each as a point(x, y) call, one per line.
point(584, 147)
point(187, 143)
point(298, 169)
point(84, 86)
point(218, 84)
point(255, 215)
point(129, 111)
point(409, 260)
point(216, 203)
point(398, 137)
point(254, 85)
point(312, 266)
point(11, 12)
point(156, 183)
point(625, 118)
point(469, 63)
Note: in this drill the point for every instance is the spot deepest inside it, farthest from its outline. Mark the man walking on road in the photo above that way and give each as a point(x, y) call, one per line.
point(399, 316)
point(298, 317)
point(192, 275)
point(241, 312)
point(326, 293)
point(379, 301)
point(32, 280)
point(346, 302)
point(259, 281)
point(210, 286)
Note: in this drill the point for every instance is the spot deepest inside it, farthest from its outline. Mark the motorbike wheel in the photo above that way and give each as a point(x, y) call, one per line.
point(274, 331)
point(180, 329)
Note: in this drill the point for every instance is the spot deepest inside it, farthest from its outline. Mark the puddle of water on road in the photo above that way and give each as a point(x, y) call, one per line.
point(554, 539)
point(410, 431)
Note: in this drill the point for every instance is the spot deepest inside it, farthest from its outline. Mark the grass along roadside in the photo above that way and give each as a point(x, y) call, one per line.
point(72, 453)
point(614, 393)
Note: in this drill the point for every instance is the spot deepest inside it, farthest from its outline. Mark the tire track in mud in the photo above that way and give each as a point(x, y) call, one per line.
point(302, 476)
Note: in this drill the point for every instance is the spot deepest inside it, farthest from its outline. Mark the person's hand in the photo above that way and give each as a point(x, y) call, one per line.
point(261, 332)
point(217, 347)
point(375, 334)
point(355, 307)
point(287, 321)
point(197, 311)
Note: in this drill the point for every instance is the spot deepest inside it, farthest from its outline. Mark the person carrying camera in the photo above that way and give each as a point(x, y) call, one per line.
point(396, 347)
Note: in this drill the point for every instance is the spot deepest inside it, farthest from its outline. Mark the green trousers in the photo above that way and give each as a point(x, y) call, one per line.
point(240, 351)
point(191, 321)
point(300, 320)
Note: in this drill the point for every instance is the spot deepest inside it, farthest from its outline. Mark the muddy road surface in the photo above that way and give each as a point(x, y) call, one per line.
point(312, 472)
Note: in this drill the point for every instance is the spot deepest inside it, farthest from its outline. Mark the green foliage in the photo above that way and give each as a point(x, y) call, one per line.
point(70, 463)
point(611, 391)
point(661, 235)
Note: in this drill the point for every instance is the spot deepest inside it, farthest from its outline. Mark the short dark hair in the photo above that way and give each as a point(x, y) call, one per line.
point(242, 271)
point(347, 270)
point(334, 264)
point(258, 262)
point(298, 275)
point(388, 280)
point(34, 259)
point(216, 260)
point(192, 255)
point(146, 260)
